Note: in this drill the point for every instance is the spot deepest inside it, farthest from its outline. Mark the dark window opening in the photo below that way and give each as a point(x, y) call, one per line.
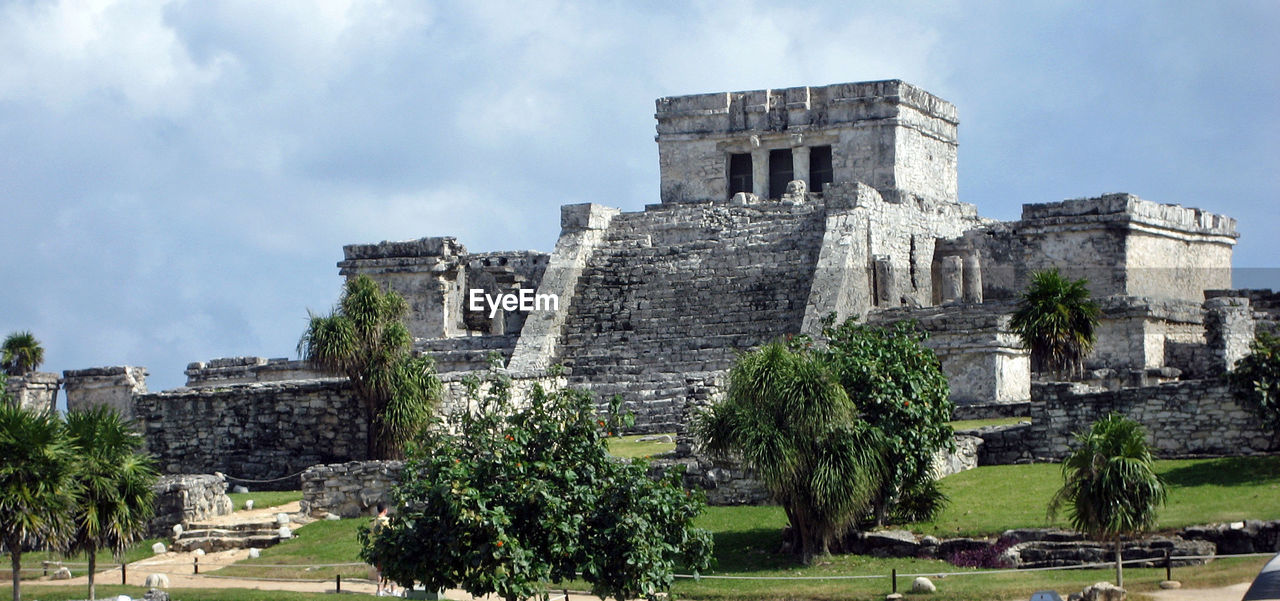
point(740, 174)
point(780, 171)
point(820, 171)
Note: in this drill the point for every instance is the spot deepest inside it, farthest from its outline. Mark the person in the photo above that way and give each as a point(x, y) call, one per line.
point(381, 522)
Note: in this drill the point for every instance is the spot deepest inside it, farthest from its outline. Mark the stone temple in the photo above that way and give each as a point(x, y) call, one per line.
point(776, 208)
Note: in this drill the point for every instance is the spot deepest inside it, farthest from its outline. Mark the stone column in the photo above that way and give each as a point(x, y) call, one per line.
point(972, 278)
point(886, 287)
point(760, 172)
point(1229, 330)
point(952, 284)
point(800, 165)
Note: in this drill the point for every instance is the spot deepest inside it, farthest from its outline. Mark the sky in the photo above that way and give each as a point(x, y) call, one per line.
point(177, 178)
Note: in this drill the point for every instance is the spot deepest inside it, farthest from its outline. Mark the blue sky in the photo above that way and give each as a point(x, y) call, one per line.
point(178, 178)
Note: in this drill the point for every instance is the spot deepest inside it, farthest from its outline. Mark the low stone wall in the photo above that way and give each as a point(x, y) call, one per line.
point(259, 432)
point(1183, 419)
point(246, 370)
point(185, 499)
point(349, 489)
point(1003, 445)
point(991, 410)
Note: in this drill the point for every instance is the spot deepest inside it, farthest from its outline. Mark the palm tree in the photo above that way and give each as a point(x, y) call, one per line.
point(365, 339)
point(116, 496)
point(1056, 319)
point(21, 354)
point(1110, 487)
point(788, 419)
point(37, 484)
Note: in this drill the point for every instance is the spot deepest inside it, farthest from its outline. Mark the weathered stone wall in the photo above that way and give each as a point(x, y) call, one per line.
point(429, 273)
point(111, 386)
point(258, 431)
point(1004, 445)
point(1134, 332)
point(877, 253)
point(247, 370)
point(991, 410)
point(1121, 244)
point(36, 391)
point(1183, 419)
point(983, 359)
point(349, 490)
point(185, 499)
point(468, 353)
point(891, 135)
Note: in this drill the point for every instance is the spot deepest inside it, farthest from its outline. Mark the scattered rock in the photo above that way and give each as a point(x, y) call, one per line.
point(893, 597)
point(254, 553)
point(155, 581)
point(198, 552)
point(155, 595)
point(248, 504)
point(923, 585)
point(62, 573)
point(285, 532)
point(655, 438)
point(332, 517)
point(282, 519)
point(1102, 591)
point(158, 548)
point(1170, 584)
point(239, 489)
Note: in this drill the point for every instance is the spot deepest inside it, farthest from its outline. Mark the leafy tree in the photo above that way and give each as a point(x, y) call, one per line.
point(506, 500)
point(365, 339)
point(898, 386)
point(1110, 487)
point(37, 484)
point(1056, 320)
point(791, 422)
point(1256, 380)
point(116, 498)
point(21, 354)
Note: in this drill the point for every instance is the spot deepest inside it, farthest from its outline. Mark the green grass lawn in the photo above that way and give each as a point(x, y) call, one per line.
point(991, 499)
point(33, 559)
point(631, 447)
point(969, 424)
point(66, 593)
point(266, 498)
point(322, 542)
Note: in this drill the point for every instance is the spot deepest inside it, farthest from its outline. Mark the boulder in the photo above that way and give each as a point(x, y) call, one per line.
point(248, 504)
point(155, 581)
point(62, 573)
point(282, 519)
point(158, 548)
point(177, 530)
point(254, 553)
point(285, 532)
point(885, 543)
point(239, 489)
point(198, 552)
point(155, 595)
point(923, 585)
point(1102, 591)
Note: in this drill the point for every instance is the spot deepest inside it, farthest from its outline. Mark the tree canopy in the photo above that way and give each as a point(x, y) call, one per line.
point(1256, 380)
point(1056, 319)
point(38, 488)
point(116, 496)
point(1110, 487)
point(365, 339)
point(790, 421)
point(507, 499)
point(21, 354)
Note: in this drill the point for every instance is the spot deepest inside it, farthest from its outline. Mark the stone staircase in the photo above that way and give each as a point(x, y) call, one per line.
point(221, 537)
point(683, 288)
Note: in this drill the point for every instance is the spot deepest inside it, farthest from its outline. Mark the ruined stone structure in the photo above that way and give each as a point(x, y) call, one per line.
point(35, 391)
point(777, 208)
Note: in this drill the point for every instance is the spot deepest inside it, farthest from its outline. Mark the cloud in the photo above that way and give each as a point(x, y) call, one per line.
point(178, 177)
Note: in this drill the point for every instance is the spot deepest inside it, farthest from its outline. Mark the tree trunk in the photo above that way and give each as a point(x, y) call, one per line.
point(1119, 566)
point(15, 556)
point(92, 564)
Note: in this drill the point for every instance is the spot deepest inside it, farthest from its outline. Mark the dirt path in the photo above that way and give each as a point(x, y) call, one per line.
point(1227, 593)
